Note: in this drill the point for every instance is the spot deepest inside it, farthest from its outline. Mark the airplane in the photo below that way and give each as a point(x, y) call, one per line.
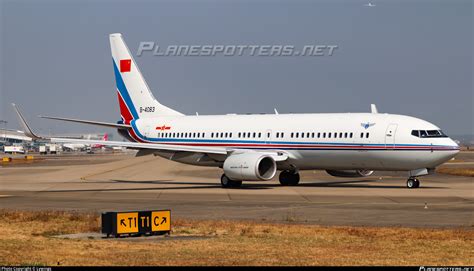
point(369, 5)
point(83, 146)
point(253, 147)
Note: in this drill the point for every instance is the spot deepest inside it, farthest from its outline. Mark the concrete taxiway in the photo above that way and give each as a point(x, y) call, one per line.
point(124, 182)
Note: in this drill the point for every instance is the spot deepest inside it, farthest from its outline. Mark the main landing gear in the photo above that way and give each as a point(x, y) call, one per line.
point(228, 183)
point(413, 182)
point(289, 178)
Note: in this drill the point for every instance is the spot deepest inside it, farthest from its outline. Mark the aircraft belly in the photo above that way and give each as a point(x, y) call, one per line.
point(373, 160)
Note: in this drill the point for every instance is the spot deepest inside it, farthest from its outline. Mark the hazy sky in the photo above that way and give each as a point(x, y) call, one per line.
point(408, 57)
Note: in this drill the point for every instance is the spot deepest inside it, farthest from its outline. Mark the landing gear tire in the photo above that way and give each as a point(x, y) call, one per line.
point(228, 183)
point(289, 178)
point(413, 183)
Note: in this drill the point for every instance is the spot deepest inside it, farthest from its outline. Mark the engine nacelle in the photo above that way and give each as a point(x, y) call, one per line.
point(350, 173)
point(250, 167)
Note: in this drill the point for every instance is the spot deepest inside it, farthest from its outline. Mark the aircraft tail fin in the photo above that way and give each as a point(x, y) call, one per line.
point(135, 97)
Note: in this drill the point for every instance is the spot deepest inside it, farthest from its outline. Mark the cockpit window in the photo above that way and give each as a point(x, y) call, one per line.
point(428, 133)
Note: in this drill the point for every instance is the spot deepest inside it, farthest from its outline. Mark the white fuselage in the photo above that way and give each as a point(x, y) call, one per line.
point(312, 141)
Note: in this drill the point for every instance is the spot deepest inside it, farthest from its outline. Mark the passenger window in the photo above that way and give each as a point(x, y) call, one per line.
point(367, 135)
point(361, 135)
point(340, 135)
point(282, 135)
point(254, 135)
point(302, 135)
point(319, 135)
point(291, 135)
point(345, 135)
point(329, 135)
point(324, 135)
point(296, 135)
point(312, 135)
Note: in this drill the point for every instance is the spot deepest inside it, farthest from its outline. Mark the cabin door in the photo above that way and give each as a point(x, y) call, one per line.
point(390, 135)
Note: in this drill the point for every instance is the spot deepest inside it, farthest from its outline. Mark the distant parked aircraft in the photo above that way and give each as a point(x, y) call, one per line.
point(84, 146)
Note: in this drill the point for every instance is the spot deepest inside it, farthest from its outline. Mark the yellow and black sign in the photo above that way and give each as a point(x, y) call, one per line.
point(139, 222)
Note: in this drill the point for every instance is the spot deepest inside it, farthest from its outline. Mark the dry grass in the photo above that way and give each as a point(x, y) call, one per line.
point(468, 172)
point(25, 239)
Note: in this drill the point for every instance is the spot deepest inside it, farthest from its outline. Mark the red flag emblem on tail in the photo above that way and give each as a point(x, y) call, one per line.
point(125, 65)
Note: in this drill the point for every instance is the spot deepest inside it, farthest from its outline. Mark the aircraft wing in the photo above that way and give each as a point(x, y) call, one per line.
point(149, 146)
point(278, 156)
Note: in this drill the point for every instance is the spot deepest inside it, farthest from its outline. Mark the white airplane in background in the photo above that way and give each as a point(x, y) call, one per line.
point(83, 146)
point(369, 5)
point(255, 147)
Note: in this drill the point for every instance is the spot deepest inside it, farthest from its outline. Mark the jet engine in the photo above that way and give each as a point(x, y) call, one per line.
point(350, 173)
point(251, 166)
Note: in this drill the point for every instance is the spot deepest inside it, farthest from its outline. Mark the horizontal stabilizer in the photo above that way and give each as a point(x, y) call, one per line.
point(99, 123)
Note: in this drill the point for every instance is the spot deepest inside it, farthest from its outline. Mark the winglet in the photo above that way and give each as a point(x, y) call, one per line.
point(24, 124)
point(276, 111)
point(373, 109)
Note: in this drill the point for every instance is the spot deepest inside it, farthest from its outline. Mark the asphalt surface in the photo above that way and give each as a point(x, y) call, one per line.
point(123, 182)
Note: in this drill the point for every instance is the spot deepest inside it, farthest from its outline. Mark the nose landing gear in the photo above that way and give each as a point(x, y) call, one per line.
point(413, 182)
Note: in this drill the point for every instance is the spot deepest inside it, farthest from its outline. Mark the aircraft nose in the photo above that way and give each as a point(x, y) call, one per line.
point(453, 149)
point(454, 145)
